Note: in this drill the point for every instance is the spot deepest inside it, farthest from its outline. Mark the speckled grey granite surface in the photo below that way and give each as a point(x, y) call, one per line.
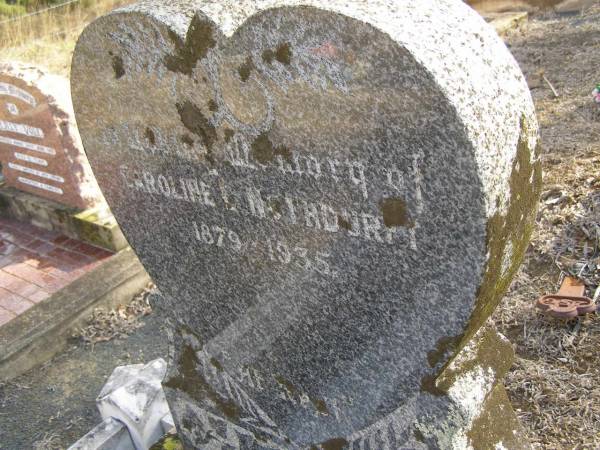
point(332, 198)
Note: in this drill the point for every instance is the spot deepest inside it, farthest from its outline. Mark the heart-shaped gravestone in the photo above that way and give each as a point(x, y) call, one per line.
point(331, 197)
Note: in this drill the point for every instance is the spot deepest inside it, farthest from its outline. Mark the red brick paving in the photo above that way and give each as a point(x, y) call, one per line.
point(35, 263)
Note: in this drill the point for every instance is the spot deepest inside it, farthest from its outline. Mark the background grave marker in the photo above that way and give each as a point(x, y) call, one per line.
point(40, 148)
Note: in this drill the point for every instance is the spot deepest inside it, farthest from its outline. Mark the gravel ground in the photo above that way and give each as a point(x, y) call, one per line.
point(53, 406)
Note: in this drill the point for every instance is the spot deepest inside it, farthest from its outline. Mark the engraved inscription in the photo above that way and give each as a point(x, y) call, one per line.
point(212, 191)
point(31, 159)
point(43, 186)
point(382, 205)
point(21, 129)
point(12, 109)
point(39, 173)
point(15, 92)
point(27, 145)
point(26, 163)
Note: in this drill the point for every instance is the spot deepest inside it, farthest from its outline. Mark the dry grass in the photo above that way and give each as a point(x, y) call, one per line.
point(50, 441)
point(48, 39)
point(120, 322)
point(555, 383)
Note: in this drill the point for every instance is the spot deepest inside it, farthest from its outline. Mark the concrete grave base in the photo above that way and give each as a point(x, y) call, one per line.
point(95, 225)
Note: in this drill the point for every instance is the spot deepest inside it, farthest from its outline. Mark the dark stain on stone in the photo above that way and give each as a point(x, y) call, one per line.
point(264, 152)
point(334, 444)
point(192, 118)
point(212, 105)
point(445, 345)
point(320, 405)
point(284, 152)
point(288, 386)
point(149, 134)
point(216, 364)
point(228, 134)
point(428, 385)
point(187, 423)
point(283, 54)
point(191, 381)
point(514, 228)
point(246, 69)
point(118, 67)
point(275, 205)
point(262, 149)
point(343, 223)
point(187, 139)
point(199, 40)
point(419, 436)
point(485, 433)
point(395, 213)
point(268, 55)
point(294, 392)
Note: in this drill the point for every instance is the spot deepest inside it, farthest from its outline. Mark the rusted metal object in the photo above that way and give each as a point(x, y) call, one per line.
point(569, 301)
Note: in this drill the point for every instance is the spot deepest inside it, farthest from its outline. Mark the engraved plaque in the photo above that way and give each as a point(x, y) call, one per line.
point(40, 148)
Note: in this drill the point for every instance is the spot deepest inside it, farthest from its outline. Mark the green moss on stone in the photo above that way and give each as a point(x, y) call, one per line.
point(515, 228)
point(490, 352)
point(168, 442)
point(512, 229)
point(497, 424)
point(191, 381)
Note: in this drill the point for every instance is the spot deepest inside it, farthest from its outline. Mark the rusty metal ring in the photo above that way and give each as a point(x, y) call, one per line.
point(566, 306)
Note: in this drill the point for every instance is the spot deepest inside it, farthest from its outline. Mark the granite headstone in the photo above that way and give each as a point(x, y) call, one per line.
point(40, 147)
point(332, 197)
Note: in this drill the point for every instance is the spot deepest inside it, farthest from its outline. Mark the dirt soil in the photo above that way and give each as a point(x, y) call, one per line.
point(554, 385)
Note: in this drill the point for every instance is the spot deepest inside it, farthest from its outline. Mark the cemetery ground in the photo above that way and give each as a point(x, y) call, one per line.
point(554, 383)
